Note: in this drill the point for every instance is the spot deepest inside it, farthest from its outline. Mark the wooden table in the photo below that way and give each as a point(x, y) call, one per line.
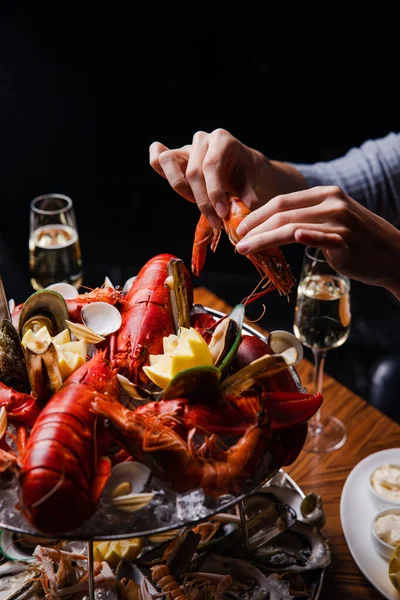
point(369, 431)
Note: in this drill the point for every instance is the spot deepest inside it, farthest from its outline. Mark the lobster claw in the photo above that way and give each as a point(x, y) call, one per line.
point(286, 445)
point(288, 409)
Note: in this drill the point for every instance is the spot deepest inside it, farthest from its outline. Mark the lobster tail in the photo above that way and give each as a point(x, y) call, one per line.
point(58, 466)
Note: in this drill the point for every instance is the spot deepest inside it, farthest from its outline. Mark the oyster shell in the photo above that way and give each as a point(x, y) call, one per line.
point(299, 548)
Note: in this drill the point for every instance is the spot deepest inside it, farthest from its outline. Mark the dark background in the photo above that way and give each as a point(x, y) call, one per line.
point(84, 92)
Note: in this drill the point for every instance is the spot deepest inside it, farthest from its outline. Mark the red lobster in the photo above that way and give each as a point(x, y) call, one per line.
point(146, 318)
point(62, 465)
point(271, 263)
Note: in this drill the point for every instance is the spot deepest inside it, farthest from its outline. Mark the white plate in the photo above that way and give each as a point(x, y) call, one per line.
point(356, 513)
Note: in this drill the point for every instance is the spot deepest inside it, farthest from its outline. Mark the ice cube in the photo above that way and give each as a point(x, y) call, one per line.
point(190, 506)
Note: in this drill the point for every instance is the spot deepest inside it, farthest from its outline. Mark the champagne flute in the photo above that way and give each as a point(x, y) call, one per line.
point(54, 248)
point(322, 322)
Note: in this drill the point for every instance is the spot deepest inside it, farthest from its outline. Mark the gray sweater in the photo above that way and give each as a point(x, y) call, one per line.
point(370, 174)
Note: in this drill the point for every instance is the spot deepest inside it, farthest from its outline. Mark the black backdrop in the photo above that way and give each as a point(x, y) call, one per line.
point(84, 91)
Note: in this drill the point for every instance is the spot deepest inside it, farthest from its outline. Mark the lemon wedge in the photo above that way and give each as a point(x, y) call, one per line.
point(62, 338)
point(394, 568)
point(41, 336)
point(69, 362)
point(114, 551)
point(185, 351)
point(77, 347)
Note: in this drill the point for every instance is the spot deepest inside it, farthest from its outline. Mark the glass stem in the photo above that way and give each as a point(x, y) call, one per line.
point(319, 363)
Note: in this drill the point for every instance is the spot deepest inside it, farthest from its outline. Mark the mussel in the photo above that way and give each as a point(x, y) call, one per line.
point(45, 307)
point(13, 371)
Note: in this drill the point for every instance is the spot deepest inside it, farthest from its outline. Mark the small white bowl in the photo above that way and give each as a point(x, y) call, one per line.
point(383, 548)
point(380, 502)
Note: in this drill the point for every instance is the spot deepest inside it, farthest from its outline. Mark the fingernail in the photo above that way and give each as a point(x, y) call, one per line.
point(214, 221)
point(242, 246)
point(222, 209)
point(242, 229)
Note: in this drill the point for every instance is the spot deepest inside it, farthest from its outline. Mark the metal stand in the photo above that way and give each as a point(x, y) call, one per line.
point(90, 570)
point(243, 524)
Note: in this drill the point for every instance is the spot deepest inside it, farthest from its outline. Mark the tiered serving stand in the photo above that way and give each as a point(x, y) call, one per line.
point(160, 515)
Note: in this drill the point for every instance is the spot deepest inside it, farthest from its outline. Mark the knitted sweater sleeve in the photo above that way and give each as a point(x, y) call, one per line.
point(370, 174)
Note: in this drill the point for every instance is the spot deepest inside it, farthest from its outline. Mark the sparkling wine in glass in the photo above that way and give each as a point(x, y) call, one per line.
point(54, 248)
point(322, 322)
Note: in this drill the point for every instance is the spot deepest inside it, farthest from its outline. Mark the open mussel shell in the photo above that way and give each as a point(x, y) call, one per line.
point(226, 338)
point(280, 340)
point(178, 293)
point(45, 307)
point(67, 291)
point(259, 369)
point(13, 371)
point(101, 317)
point(198, 382)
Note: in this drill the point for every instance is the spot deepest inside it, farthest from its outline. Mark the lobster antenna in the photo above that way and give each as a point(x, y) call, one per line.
point(50, 492)
point(264, 309)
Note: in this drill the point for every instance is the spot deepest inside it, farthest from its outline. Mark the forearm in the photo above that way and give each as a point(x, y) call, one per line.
point(277, 178)
point(369, 174)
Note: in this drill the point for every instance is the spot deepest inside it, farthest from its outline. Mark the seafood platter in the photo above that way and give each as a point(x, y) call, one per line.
point(133, 413)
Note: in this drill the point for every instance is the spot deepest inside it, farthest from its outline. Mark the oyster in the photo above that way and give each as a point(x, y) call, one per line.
point(247, 580)
point(20, 585)
point(299, 548)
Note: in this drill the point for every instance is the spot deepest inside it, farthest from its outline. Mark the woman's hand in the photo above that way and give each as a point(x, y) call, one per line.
point(356, 242)
point(216, 164)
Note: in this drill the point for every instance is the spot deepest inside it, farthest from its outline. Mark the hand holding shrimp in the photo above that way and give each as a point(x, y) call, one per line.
point(356, 242)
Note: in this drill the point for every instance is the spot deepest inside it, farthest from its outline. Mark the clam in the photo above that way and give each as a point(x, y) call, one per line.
point(128, 284)
point(101, 317)
point(280, 340)
point(132, 502)
point(82, 332)
point(67, 291)
point(13, 371)
point(133, 390)
point(130, 476)
point(45, 307)
point(226, 338)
